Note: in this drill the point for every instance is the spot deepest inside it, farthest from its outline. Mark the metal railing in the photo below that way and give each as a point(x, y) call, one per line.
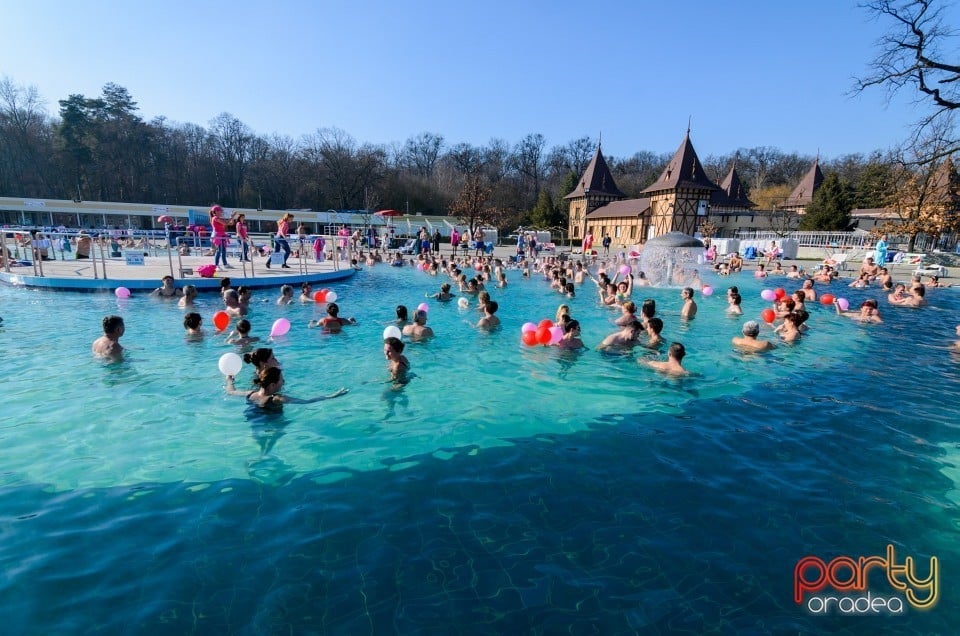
point(28, 248)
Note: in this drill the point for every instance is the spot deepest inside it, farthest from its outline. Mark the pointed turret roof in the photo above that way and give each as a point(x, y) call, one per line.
point(683, 171)
point(596, 179)
point(732, 194)
point(802, 195)
point(945, 185)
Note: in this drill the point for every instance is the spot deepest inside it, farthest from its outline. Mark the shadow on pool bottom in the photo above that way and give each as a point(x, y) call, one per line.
point(657, 525)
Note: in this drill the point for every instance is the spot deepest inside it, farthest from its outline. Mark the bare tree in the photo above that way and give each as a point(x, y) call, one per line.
point(924, 193)
point(471, 205)
point(912, 54)
point(420, 153)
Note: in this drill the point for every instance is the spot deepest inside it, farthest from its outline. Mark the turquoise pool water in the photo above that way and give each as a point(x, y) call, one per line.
point(505, 489)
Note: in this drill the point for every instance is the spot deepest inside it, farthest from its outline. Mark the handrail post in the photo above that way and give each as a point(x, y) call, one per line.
point(103, 255)
point(4, 259)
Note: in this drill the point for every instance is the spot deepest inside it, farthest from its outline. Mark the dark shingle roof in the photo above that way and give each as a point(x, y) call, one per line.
point(802, 195)
point(683, 171)
point(596, 179)
point(621, 209)
point(731, 194)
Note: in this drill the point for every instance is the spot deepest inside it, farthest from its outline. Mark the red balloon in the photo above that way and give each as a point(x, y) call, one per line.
point(543, 335)
point(320, 296)
point(546, 322)
point(780, 292)
point(826, 299)
point(221, 320)
point(768, 315)
point(529, 338)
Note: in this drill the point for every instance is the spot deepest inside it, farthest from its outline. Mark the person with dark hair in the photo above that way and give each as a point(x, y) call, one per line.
point(443, 295)
point(167, 288)
point(270, 382)
point(869, 311)
point(571, 336)
point(108, 345)
point(653, 327)
point(626, 338)
point(403, 315)
point(261, 358)
point(241, 334)
point(218, 235)
point(733, 301)
point(489, 320)
point(397, 363)
point(648, 309)
point(674, 362)
point(306, 292)
point(332, 322)
point(192, 323)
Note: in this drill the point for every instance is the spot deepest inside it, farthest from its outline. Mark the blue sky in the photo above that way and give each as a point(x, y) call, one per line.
point(749, 73)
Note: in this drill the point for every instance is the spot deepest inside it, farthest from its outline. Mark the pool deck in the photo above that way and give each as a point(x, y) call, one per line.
point(78, 275)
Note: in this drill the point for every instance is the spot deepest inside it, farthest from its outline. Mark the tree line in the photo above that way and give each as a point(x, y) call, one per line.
point(99, 148)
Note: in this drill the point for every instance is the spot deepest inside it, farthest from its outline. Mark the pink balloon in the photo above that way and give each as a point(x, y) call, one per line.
point(768, 294)
point(424, 307)
point(624, 270)
point(707, 290)
point(843, 304)
point(556, 335)
point(280, 327)
point(122, 292)
point(528, 326)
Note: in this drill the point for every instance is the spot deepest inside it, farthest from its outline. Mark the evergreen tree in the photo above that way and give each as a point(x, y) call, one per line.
point(831, 205)
point(544, 214)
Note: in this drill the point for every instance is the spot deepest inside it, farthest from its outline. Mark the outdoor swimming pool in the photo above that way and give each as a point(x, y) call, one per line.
point(505, 489)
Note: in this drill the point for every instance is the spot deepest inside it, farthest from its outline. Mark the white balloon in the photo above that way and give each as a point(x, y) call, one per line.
point(463, 303)
point(331, 297)
point(392, 332)
point(230, 364)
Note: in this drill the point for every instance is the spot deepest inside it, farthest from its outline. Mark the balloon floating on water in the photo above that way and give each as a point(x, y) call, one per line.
point(121, 292)
point(280, 327)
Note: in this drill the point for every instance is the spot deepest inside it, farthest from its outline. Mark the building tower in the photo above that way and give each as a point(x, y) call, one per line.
point(596, 188)
point(802, 195)
point(679, 199)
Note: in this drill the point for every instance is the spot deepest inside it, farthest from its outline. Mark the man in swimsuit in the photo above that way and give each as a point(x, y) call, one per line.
point(397, 363)
point(749, 341)
point(108, 345)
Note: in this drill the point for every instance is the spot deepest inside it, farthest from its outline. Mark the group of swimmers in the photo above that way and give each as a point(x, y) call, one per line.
point(563, 277)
